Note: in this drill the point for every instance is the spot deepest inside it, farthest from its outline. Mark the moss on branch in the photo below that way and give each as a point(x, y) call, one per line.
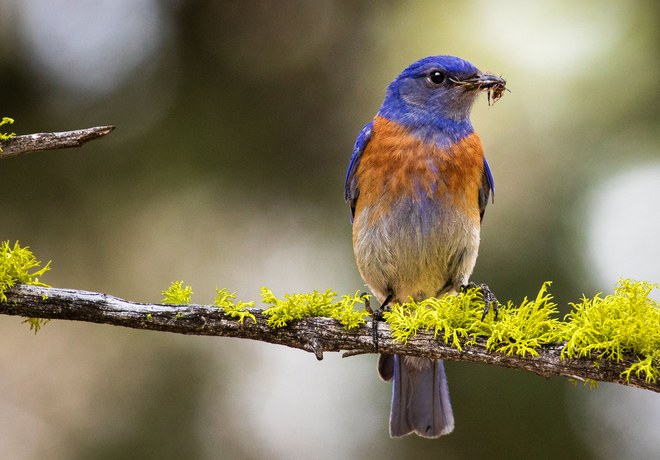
point(623, 327)
point(5, 136)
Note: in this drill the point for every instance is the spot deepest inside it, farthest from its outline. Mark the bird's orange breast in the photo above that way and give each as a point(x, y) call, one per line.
point(396, 164)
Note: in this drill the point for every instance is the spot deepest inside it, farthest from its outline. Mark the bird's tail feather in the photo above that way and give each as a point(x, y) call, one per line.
point(420, 398)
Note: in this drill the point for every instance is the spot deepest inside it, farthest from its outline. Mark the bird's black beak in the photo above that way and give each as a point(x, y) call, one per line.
point(494, 85)
point(481, 81)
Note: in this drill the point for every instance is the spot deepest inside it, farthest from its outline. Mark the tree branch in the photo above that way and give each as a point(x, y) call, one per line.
point(17, 145)
point(315, 335)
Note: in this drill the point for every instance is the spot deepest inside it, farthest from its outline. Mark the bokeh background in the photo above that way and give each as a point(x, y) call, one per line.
point(235, 122)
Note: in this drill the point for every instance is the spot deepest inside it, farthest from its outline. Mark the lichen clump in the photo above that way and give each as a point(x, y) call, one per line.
point(297, 306)
point(177, 294)
point(238, 310)
point(624, 323)
point(458, 320)
point(18, 265)
point(5, 136)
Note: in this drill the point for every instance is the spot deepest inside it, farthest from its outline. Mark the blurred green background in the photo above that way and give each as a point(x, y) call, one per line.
point(235, 122)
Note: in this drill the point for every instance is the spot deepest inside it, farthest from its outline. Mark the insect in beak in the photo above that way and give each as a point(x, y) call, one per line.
point(492, 84)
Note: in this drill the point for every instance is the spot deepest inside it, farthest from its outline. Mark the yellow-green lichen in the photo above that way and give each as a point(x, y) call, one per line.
point(524, 329)
point(5, 136)
point(458, 320)
point(298, 306)
point(177, 294)
point(18, 265)
point(35, 323)
point(238, 310)
point(455, 318)
point(624, 323)
point(347, 315)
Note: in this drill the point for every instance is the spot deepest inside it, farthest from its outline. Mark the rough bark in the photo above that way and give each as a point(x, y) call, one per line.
point(315, 335)
point(17, 145)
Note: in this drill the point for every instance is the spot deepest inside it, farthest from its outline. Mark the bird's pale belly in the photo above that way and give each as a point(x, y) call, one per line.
point(418, 248)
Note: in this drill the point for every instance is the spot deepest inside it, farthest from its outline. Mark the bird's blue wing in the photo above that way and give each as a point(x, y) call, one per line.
point(351, 191)
point(487, 189)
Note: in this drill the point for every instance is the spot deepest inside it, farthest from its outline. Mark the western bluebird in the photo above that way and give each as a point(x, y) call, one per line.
point(417, 185)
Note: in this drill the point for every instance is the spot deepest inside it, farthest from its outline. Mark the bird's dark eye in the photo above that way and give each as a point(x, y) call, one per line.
point(436, 77)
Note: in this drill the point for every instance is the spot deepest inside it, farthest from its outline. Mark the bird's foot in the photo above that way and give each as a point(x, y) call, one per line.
point(377, 315)
point(488, 296)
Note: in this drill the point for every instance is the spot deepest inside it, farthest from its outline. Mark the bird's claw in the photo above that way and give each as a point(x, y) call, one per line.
point(377, 315)
point(488, 296)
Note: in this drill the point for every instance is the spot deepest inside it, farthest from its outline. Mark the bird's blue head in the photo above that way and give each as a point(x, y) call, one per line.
point(433, 97)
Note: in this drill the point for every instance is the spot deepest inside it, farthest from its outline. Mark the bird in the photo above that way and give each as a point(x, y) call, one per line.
point(417, 185)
